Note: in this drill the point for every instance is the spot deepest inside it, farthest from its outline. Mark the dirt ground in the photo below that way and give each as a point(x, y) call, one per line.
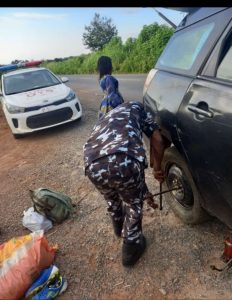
point(176, 264)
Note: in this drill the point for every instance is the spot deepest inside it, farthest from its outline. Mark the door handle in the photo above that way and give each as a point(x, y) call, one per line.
point(200, 111)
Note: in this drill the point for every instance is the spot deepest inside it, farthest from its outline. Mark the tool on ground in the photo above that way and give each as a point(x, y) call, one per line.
point(227, 266)
point(226, 256)
point(150, 197)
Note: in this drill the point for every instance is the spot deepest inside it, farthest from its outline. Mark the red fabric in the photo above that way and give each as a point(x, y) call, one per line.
point(21, 275)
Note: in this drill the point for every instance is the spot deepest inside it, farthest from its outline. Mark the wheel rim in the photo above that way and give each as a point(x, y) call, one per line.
point(176, 177)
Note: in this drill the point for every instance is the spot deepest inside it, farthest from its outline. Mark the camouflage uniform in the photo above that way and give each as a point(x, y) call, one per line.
point(115, 160)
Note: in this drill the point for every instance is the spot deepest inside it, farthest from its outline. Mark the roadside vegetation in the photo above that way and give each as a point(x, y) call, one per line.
point(136, 55)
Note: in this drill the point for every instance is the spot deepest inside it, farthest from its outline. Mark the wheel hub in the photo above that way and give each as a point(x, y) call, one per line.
point(176, 177)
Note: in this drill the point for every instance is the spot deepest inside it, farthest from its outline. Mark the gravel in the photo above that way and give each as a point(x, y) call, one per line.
point(176, 264)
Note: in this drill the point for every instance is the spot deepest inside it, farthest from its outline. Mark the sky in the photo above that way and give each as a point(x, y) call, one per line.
point(37, 33)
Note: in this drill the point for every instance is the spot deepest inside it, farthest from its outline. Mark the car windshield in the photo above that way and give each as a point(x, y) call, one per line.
point(28, 81)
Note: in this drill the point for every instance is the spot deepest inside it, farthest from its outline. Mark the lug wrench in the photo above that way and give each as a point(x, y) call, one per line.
point(161, 197)
point(161, 192)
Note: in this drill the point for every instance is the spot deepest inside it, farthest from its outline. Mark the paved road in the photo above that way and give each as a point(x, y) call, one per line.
point(130, 86)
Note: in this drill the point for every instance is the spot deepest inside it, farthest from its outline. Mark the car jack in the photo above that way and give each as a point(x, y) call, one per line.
point(227, 266)
point(226, 257)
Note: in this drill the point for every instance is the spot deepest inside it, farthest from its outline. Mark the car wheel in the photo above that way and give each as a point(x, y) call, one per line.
point(79, 119)
point(18, 136)
point(186, 202)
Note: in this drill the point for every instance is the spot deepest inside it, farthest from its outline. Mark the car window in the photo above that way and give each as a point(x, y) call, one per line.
point(182, 50)
point(224, 70)
point(27, 81)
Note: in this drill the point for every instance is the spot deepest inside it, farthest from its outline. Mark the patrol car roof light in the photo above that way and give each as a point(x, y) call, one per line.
point(21, 64)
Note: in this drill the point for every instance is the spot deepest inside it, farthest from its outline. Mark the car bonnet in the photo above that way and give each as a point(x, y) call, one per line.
point(40, 96)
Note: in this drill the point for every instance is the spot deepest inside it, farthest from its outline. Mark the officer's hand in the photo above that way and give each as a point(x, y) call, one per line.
point(159, 175)
point(150, 200)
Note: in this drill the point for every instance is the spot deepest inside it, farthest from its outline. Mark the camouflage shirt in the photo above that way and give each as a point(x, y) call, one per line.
point(120, 130)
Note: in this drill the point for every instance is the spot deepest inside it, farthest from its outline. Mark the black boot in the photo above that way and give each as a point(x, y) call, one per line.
point(117, 225)
point(131, 252)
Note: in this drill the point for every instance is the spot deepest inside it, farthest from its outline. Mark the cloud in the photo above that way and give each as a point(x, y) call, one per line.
point(38, 16)
point(21, 18)
point(4, 19)
point(9, 21)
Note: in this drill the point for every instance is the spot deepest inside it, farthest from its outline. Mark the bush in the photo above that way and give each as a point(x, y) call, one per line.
point(135, 56)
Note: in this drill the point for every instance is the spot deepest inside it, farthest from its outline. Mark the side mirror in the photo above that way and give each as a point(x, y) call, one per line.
point(1, 94)
point(64, 79)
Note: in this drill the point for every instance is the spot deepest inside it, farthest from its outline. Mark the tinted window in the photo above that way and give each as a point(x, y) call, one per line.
point(225, 68)
point(183, 48)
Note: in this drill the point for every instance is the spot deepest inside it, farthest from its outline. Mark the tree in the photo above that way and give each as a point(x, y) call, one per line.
point(99, 32)
point(148, 32)
point(129, 44)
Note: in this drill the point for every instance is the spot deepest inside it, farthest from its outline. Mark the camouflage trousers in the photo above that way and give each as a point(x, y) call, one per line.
point(120, 178)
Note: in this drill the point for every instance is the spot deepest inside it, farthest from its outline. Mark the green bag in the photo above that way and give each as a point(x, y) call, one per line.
point(55, 206)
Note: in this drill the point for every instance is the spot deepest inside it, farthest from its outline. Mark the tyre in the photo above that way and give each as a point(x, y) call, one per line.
point(18, 136)
point(186, 202)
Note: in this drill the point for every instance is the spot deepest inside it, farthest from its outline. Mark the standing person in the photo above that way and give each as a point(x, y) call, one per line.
point(109, 85)
point(115, 160)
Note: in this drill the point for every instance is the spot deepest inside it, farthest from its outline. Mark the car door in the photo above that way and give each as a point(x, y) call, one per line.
point(205, 129)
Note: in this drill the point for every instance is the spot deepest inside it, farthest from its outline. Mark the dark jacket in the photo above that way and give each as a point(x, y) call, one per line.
point(112, 98)
point(120, 130)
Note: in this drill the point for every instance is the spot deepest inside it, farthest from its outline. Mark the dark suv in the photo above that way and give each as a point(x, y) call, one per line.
point(189, 93)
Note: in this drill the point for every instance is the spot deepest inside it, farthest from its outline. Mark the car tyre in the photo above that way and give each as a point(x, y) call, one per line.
point(18, 136)
point(185, 203)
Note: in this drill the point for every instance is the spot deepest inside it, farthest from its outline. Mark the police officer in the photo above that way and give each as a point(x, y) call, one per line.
point(115, 160)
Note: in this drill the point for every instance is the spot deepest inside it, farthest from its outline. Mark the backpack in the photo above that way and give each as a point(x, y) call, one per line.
point(55, 206)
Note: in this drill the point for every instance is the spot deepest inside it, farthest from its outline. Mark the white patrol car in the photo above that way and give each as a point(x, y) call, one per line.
point(35, 99)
